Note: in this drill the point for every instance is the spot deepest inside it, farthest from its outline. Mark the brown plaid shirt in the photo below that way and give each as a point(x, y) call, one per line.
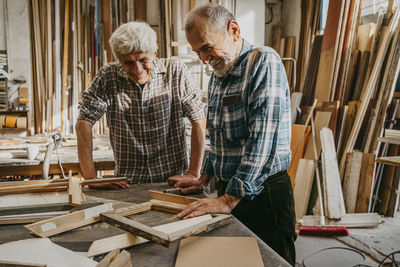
point(147, 130)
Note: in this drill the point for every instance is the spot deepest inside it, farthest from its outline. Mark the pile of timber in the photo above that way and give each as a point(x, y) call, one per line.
point(351, 71)
point(69, 45)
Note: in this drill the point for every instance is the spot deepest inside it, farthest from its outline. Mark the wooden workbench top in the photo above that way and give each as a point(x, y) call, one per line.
point(148, 254)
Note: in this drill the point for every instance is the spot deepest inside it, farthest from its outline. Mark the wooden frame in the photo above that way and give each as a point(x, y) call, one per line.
point(163, 202)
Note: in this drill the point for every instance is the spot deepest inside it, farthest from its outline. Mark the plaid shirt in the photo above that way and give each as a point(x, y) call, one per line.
point(147, 130)
point(250, 139)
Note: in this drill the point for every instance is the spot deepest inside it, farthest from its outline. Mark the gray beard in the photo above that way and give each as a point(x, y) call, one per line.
point(227, 66)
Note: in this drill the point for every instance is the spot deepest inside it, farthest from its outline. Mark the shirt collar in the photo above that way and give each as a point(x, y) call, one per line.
point(159, 68)
point(240, 62)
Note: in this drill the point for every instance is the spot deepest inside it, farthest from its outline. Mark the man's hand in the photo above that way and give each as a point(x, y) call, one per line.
point(177, 178)
point(115, 185)
point(223, 204)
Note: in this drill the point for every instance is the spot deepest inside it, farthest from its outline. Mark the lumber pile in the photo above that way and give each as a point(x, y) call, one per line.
point(351, 70)
point(69, 45)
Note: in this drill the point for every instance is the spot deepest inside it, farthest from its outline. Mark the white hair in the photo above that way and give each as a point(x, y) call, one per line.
point(133, 37)
point(217, 17)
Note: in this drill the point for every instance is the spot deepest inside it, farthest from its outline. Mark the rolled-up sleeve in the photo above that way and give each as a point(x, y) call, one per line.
point(268, 101)
point(94, 100)
point(193, 107)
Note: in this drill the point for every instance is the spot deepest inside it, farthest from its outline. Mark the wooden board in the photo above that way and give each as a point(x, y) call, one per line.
point(329, 50)
point(67, 222)
point(220, 251)
point(322, 119)
point(351, 180)
point(354, 220)
point(302, 187)
point(333, 196)
point(126, 240)
point(365, 183)
point(298, 141)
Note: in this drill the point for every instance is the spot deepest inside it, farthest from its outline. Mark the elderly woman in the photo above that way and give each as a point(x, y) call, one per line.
point(145, 100)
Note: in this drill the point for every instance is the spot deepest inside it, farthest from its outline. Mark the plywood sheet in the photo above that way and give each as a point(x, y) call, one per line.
point(42, 251)
point(219, 251)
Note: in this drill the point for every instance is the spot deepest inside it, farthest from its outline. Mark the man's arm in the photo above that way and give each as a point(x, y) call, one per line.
point(196, 152)
point(85, 148)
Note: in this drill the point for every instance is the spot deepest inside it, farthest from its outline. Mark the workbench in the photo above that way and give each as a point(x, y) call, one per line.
point(68, 155)
point(148, 254)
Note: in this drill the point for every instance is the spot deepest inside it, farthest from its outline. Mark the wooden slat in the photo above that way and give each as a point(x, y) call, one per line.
point(67, 222)
point(329, 50)
point(302, 187)
point(136, 228)
point(351, 180)
point(333, 196)
point(297, 146)
point(172, 198)
point(126, 240)
point(354, 220)
point(64, 85)
point(322, 119)
point(365, 183)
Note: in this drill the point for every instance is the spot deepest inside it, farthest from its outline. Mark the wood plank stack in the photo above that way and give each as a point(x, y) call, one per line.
point(352, 70)
point(79, 31)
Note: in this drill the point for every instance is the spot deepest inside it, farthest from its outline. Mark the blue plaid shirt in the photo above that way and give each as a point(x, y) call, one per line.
point(249, 122)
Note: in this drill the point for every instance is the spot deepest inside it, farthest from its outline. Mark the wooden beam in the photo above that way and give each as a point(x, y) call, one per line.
point(303, 185)
point(365, 184)
point(351, 180)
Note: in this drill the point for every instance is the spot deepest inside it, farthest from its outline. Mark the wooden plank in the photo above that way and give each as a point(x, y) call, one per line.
point(172, 198)
point(393, 204)
point(322, 119)
point(389, 140)
point(361, 74)
point(295, 101)
point(201, 227)
point(392, 160)
point(122, 260)
point(329, 50)
point(64, 85)
point(369, 89)
point(351, 180)
point(333, 196)
point(167, 206)
point(62, 182)
point(303, 185)
point(126, 240)
point(365, 183)
point(341, 127)
point(136, 228)
point(134, 209)
point(67, 222)
point(51, 207)
point(297, 145)
point(352, 220)
point(74, 192)
point(20, 264)
point(105, 262)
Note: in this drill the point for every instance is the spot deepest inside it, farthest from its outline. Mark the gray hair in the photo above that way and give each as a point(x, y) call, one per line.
point(218, 17)
point(133, 37)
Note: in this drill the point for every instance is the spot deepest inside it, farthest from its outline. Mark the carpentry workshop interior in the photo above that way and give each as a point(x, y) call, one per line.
point(131, 134)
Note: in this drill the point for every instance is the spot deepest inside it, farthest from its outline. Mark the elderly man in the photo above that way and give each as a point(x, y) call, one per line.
point(145, 100)
point(249, 126)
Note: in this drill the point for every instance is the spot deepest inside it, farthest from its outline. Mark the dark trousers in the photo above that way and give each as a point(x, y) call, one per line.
point(270, 215)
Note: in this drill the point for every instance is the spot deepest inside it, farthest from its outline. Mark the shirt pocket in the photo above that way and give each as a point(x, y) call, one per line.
point(234, 124)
